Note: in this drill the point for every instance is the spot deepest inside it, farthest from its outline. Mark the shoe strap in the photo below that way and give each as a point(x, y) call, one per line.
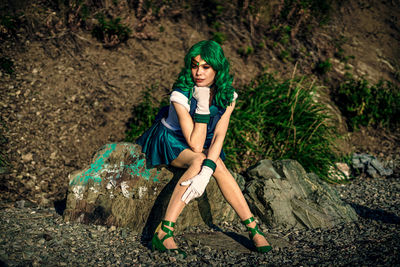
point(255, 231)
point(168, 223)
point(249, 220)
point(169, 232)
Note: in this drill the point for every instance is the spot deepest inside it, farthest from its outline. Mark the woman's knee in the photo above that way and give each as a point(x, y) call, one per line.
point(195, 161)
point(221, 168)
point(187, 158)
point(198, 159)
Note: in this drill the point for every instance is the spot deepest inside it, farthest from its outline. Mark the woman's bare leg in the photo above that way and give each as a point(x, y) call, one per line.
point(232, 193)
point(192, 161)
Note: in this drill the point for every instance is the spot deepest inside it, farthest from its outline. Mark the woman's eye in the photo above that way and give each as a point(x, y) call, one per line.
point(206, 67)
point(194, 66)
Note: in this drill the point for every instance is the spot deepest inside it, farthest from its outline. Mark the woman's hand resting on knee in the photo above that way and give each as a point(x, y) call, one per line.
point(198, 183)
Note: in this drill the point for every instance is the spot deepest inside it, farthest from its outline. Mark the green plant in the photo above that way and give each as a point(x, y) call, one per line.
point(284, 39)
point(323, 67)
point(365, 104)
point(216, 25)
point(155, 6)
point(284, 35)
point(8, 25)
point(345, 59)
point(300, 17)
point(3, 164)
point(285, 55)
point(213, 9)
point(110, 31)
point(6, 65)
point(74, 12)
point(340, 53)
point(84, 12)
point(348, 75)
point(280, 120)
point(144, 114)
point(347, 67)
point(219, 37)
point(246, 51)
point(319, 9)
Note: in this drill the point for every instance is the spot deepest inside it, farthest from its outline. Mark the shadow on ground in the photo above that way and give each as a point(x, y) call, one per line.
point(375, 214)
point(216, 239)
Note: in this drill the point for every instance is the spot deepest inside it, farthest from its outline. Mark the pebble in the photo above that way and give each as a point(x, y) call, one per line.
point(373, 240)
point(27, 157)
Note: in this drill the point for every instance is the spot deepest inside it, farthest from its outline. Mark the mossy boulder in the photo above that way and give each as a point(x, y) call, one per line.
point(117, 188)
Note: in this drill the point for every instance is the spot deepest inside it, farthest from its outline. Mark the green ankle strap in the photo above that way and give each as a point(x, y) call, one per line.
point(249, 220)
point(254, 230)
point(168, 223)
point(169, 232)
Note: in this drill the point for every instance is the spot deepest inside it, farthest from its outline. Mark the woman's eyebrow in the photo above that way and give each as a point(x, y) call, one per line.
point(201, 63)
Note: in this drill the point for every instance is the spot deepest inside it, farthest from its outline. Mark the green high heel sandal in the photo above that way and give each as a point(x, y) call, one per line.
point(157, 244)
point(253, 232)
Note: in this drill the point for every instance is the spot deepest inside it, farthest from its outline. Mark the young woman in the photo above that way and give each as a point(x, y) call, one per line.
point(191, 137)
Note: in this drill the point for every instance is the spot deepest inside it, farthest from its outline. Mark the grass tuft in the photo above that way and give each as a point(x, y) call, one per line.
point(144, 114)
point(280, 120)
point(110, 31)
point(364, 104)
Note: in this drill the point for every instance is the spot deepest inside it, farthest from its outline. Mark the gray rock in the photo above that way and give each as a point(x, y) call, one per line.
point(118, 189)
point(240, 180)
point(284, 196)
point(370, 164)
point(379, 167)
point(20, 203)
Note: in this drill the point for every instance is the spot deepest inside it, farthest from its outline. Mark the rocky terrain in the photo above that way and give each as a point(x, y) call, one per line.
point(34, 236)
point(68, 96)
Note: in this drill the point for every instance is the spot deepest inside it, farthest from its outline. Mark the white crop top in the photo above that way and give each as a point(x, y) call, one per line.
point(172, 121)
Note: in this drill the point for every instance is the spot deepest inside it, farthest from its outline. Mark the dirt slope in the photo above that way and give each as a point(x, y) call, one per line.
point(69, 95)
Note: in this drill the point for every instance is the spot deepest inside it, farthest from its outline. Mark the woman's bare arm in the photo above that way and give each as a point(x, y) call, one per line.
point(195, 133)
point(219, 134)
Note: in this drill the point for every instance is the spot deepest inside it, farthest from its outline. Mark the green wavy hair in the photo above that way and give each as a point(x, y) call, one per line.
point(213, 54)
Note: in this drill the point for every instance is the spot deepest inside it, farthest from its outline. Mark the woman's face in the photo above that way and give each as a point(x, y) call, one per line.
point(203, 74)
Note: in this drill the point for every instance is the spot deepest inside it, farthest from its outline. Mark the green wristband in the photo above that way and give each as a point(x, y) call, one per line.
point(210, 163)
point(202, 118)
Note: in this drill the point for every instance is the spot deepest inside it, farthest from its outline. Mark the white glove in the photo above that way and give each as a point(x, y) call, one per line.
point(197, 184)
point(202, 95)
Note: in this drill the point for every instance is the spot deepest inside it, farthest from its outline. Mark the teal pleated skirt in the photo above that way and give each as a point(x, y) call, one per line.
point(161, 145)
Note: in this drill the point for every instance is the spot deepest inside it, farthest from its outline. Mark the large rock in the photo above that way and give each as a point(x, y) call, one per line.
point(370, 164)
point(118, 189)
point(283, 195)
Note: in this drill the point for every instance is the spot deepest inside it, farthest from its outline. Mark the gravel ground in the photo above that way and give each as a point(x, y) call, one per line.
point(33, 236)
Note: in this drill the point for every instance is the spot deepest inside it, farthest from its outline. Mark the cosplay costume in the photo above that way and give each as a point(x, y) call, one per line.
point(164, 140)
point(205, 63)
